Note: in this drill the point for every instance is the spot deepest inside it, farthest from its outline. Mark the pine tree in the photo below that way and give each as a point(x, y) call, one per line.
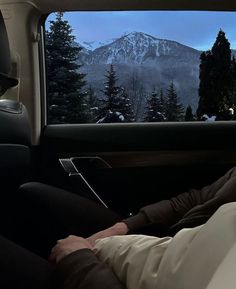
point(77, 108)
point(116, 106)
point(189, 114)
point(174, 109)
point(125, 106)
point(232, 108)
point(207, 103)
point(65, 84)
point(93, 104)
point(216, 80)
point(162, 104)
point(155, 109)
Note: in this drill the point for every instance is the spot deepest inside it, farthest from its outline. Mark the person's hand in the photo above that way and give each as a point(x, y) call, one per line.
point(67, 246)
point(118, 229)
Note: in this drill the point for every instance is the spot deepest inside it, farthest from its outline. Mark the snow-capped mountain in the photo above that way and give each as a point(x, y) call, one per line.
point(149, 62)
point(139, 48)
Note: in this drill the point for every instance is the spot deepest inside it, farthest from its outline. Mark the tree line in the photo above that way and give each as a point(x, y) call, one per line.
point(71, 100)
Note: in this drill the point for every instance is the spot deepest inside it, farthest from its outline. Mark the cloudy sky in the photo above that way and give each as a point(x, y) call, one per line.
point(195, 29)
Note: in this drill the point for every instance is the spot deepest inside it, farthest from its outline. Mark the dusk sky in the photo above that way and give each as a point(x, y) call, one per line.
point(195, 29)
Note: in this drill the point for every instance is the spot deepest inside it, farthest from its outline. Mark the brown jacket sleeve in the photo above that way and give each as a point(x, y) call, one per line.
point(166, 212)
point(82, 270)
point(206, 200)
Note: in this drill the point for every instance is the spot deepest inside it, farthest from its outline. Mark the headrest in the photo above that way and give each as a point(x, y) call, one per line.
point(14, 123)
point(6, 81)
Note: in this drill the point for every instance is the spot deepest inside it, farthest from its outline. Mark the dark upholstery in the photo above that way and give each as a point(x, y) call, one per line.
point(21, 269)
point(15, 135)
point(14, 123)
point(51, 213)
point(15, 141)
point(15, 151)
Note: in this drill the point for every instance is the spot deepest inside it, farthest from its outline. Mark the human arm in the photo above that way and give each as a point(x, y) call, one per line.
point(164, 214)
point(202, 202)
point(119, 228)
point(78, 268)
point(66, 246)
point(169, 212)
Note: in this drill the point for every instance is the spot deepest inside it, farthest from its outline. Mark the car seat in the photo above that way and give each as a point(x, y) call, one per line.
point(15, 139)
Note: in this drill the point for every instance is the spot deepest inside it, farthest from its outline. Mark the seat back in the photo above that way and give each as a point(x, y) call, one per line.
point(15, 141)
point(15, 136)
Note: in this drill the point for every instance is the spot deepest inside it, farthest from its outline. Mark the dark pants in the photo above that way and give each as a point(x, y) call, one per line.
point(44, 215)
point(21, 269)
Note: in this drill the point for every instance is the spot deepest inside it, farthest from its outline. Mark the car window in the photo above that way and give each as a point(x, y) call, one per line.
point(140, 66)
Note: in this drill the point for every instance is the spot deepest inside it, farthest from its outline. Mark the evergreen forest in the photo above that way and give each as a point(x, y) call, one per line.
point(72, 100)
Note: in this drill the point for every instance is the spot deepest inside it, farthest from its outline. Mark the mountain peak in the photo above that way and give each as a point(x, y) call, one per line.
point(137, 36)
point(139, 48)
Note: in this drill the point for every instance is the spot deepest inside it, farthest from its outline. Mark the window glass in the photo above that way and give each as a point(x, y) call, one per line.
point(140, 66)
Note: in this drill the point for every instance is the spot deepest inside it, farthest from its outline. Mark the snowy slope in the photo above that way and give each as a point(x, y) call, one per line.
point(149, 62)
point(139, 48)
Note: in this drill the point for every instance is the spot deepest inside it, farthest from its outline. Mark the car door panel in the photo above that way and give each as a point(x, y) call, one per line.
point(149, 162)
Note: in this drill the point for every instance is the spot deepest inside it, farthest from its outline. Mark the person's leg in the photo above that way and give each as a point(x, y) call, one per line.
point(47, 213)
point(21, 269)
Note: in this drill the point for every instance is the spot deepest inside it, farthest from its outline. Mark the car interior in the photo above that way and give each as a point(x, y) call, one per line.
point(122, 166)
